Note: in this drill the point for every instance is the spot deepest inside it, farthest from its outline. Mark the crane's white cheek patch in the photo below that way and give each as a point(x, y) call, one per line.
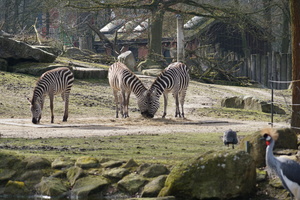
point(293, 186)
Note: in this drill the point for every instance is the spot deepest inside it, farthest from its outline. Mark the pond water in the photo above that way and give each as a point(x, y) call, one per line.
point(42, 197)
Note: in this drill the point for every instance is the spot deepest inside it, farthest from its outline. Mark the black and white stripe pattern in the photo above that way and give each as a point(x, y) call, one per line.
point(56, 81)
point(122, 80)
point(175, 78)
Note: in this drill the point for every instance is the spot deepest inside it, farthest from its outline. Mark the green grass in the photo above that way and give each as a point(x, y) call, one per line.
point(233, 113)
point(165, 148)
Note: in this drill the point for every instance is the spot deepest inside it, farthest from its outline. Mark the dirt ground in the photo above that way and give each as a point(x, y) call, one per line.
point(15, 128)
point(199, 95)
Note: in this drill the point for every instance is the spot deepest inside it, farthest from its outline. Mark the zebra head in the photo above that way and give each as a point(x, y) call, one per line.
point(152, 102)
point(36, 111)
point(143, 105)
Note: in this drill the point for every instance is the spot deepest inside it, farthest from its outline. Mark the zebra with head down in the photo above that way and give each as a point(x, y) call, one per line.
point(123, 81)
point(56, 81)
point(175, 78)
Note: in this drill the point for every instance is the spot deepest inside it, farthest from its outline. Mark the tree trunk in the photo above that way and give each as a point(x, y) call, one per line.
point(180, 39)
point(295, 28)
point(268, 21)
point(155, 36)
point(285, 41)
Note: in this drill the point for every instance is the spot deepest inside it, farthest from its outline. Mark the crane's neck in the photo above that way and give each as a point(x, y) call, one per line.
point(270, 158)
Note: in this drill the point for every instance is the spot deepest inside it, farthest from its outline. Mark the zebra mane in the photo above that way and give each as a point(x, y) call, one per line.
point(36, 91)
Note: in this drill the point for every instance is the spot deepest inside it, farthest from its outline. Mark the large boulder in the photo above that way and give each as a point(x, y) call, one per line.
point(3, 65)
point(131, 183)
point(153, 188)
point(88, 186)
point(257, 148)
point(128, 59)
point(13, 50)
point(250, 103)
point(36, 162)
point(87, 162)
point(53, 187)
point(213, 175)
point(154, 170)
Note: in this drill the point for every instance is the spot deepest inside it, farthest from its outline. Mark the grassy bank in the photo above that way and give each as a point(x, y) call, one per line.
point(164, 148)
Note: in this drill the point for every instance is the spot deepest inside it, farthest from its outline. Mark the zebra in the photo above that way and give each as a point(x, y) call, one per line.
point(52, 82)
point(123, 80)
point(175, 78)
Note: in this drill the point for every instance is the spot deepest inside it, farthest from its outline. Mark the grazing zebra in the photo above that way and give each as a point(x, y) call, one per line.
point(122, 80)
point(175, 78)
point(56, 81)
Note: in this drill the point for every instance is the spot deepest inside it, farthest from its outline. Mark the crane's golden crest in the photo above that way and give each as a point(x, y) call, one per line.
point(271, 132)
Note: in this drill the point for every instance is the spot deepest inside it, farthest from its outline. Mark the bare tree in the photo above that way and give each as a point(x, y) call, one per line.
point(295, 27)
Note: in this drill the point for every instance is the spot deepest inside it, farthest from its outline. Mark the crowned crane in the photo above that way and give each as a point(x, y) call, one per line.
point(286, 169)
point(230, 137)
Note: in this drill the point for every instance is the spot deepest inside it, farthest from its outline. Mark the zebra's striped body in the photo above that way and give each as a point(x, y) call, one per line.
point(122, 80)
point(56, 81)
point(175, 78)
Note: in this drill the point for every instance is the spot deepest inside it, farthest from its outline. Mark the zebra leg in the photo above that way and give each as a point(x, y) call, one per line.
point(182, 97)
point(127, 97)
point(51, 97)
point(165, 104)
point(66, 113)
point(115, 92)
point(122, 104)
point(177, 112)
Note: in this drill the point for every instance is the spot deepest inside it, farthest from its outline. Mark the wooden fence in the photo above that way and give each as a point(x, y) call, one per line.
point(263, 68)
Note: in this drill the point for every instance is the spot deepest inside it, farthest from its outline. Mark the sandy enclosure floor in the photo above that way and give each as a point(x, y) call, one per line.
point(93, 127)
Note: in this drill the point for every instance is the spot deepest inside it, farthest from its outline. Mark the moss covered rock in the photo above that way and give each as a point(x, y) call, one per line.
point(221, 175)
point(88, 186)
point(116, 174)
point(16, 188)
point(153, 188)
point(154, 170)
point(87, 162)
point(53, 187)
point(62, 162)
point(287, 140)
point(74, 173)
point(257, 148)
point(36, 162)
point(132, 183)
point(5, 175)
